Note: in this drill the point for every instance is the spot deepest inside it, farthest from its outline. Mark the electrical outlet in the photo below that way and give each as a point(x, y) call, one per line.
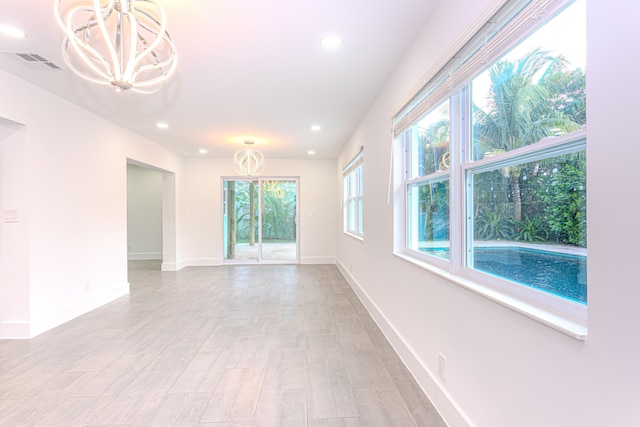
point(441, 367)
point(87, 286)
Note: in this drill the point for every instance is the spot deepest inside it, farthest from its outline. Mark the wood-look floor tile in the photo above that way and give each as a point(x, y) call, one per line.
point(383, 407)
point(180, 409)
point(204, 372)
point(115, 377)
point(150, 383)
point(80, 411)
point(336, 422)
point(229, 346)
point(286, 370)
point(284, 408)
point(129, 411)
point(236, 396)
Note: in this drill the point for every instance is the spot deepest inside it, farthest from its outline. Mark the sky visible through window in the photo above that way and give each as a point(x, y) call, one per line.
point(563, 35)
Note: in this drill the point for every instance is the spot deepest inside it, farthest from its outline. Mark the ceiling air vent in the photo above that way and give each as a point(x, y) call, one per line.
point(33, 61)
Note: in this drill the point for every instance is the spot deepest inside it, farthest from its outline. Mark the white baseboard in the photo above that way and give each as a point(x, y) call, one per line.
point(14, 330)
point(51, 320)
point(216, 262)
point(204, 262)
point(174, 266)
point(451, 413)
point(318, 260)
point(144, 256)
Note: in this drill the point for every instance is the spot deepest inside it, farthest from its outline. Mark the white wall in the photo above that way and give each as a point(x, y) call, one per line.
point(14, 261)
point(73, 202)
point(144, 213)
point(317, 196)
point(504, 369)
point(65, 170)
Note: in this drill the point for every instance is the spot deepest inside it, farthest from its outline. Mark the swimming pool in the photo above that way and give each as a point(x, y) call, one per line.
point(560, 274)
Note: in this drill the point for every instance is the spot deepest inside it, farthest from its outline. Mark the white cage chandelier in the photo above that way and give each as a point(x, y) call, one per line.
point(248, 161)
point(123, 43)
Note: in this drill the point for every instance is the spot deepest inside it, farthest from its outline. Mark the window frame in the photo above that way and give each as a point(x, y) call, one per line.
point(559, 313)
point(353, 173)
point(412, 178)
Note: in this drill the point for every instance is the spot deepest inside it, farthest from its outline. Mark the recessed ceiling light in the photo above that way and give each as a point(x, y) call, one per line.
point(316, 128)
point(203, 151)
point(10, 31)
point(311, 152)
point(331, 41)
point(162, 125)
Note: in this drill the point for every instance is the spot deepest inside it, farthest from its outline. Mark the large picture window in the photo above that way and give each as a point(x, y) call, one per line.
point(494, 167)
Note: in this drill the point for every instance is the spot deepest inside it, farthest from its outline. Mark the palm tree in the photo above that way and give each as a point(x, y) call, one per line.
point(516, 115)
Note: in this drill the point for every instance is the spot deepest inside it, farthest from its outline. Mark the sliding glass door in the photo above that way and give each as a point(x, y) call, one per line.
point(260, 220)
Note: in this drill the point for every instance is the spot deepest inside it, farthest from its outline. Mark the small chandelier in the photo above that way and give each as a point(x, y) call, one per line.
point(123, 43)
point(248, 161)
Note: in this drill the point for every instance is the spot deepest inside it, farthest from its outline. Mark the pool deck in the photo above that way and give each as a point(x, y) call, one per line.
point(548, 247)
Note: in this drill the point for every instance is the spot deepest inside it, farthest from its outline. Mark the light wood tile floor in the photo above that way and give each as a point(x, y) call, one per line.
point(230, 346)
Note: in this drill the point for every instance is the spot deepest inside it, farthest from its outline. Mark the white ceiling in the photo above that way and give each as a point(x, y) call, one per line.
point(246, 69)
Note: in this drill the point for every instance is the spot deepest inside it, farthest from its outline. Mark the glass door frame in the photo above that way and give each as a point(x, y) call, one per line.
point(259, 190)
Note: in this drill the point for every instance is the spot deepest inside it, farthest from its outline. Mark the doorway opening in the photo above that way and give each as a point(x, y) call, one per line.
point(151, 225)
point(260, 220)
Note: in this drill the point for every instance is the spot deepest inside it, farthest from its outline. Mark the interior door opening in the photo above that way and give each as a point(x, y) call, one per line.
point(260, 220)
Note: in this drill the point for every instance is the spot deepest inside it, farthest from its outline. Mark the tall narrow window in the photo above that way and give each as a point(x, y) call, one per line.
point(428, 161)
point(353, 196)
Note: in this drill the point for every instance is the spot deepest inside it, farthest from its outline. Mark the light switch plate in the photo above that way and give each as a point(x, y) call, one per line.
point(10, 215)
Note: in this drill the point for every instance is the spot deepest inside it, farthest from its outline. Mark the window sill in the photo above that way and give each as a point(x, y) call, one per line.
point(355, 236)
point(562, 323)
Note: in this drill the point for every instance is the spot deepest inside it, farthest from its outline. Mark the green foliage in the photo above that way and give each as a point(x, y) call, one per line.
point(532, 230)
point(493, 225)
point(531, 98)
point(565, 197)
point(518, 112)
point(278, 221)
point(567, 94)
point(278, 212)
point(434, 199)
point(434, 145)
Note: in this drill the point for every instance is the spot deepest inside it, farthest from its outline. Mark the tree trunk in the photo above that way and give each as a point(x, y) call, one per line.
point(231, 214)
point(515, 195)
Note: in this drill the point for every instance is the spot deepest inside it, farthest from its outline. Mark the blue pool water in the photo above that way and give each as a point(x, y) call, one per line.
point(560, 274)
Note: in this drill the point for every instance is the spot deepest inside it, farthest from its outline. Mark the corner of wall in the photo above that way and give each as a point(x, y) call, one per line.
point(52, 320)
point(174, 266)
point(10, 330)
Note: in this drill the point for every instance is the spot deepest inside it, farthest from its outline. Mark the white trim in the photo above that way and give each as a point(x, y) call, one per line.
point(318, 260)
point(427, 380)
point(355, 176)
point(357, 160)
point(553, 146)
point(470, 30)
point(174, 266)
point(355, 236)
point(144, 256)
point(204, 262)
point(51, 320)
point(567, 325)
point(511, 23)
point(14, 330)
point(259, 180)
